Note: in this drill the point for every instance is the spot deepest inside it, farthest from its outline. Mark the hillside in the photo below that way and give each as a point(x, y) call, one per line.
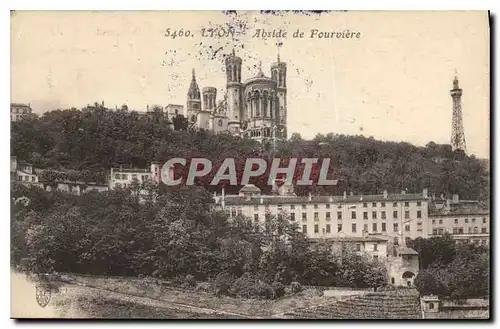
point(96, 139)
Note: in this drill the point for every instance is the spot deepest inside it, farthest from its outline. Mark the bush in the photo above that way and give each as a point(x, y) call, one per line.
point(279, 289)
point(428, 282)
point(264, 290)
point(204, 286)
point(296, 287)
point(189, 281)
point(245, 286)
point(223, 283)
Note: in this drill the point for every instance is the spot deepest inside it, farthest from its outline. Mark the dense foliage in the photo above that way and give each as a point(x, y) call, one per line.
point(450, 270)
point(96, 139)
point(170, 233)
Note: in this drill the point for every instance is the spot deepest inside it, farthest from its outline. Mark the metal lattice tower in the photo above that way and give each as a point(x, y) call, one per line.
point(457, 128)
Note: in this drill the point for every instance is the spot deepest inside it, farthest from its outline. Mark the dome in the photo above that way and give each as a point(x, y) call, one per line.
point(250, 188)
point(260, 78)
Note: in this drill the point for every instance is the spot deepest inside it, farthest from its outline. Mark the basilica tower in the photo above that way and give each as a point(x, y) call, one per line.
point(278, 74)
point(193, 105)
point(234, 90)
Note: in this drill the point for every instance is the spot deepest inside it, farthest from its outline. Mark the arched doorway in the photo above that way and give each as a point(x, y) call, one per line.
point(408, 277)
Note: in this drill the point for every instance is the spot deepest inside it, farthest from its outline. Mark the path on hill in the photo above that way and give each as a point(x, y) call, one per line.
point(24, 305)
point(76, 290)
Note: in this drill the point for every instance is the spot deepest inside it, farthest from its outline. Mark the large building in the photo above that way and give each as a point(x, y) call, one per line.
point(464, 220)
point(379, 226)
point(255, 108)
point(397, 217)
point(19, 111)
point(125, 177)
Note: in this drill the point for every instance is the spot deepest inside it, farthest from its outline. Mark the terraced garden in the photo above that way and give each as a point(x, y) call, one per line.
point(402, 304)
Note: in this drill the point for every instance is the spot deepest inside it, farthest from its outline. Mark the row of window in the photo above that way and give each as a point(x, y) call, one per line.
point(134, 176)
point(20, 111)
point(383, 215)
point(460, 230)
point(394, 204)
point(353, 214)
point(375, 247)
point(339, 206)
point(26, 178)
point(383, 227)
point(16, 117)
point(466, 221)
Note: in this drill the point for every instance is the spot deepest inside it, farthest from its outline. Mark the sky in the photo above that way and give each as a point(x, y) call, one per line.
point(391, 83)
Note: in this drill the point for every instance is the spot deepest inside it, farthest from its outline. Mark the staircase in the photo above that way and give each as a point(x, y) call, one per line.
point(398, 304)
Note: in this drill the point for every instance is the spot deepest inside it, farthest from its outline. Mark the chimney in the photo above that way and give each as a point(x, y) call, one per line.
point(361, 197)
point(425, 193)
point(351, 193)
point(331, 198)
point(261, 200)
point(455, 198)
point(403, 192)
point(345, 195)
point(442, 196)
point(310, 196)
point(448, 202)
point(385, 194)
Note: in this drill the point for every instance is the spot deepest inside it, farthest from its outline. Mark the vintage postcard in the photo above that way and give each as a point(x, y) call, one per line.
point(250, 165)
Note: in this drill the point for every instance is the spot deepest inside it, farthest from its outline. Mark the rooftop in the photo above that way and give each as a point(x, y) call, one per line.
point(407, 251)
point(19, 105)
point(270, 199)
point(354, 239)
point(460, 208)
point(250, 188)
point(130, 170)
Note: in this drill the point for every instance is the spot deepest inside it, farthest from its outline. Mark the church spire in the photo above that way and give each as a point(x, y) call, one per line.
point(194, 90)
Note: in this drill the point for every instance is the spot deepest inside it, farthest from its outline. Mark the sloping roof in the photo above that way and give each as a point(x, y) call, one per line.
point(130, 170)
point(407, 251)
point(355, 239)
point(19, 105)
point(238, 200)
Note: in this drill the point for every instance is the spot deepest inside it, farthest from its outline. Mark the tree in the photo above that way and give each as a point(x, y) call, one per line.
point(439, 250)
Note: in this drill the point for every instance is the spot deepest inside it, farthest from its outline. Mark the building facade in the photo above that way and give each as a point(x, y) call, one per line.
point(464, 220)
point(173, 110)
point(255, 108)
point(126, 177)
point(397, 217)
point(19, 111)
point(378, 226)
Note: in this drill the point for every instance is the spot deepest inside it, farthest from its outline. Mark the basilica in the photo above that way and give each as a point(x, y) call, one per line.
point(255, 108)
